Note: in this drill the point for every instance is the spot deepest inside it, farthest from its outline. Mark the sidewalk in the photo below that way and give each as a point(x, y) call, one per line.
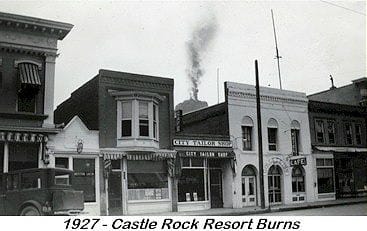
point(258, 210)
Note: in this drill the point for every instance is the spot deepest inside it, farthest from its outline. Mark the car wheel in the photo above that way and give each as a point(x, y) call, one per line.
point(30, 211)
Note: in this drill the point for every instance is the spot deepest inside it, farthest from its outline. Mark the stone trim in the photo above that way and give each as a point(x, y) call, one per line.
point(134, 83)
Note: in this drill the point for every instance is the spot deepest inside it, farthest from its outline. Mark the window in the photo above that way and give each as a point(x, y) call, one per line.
point(358, 132)
point(348, 133)
point(298, 180)
point(147, 180)
point(272, 134)
point(246, 137)
point(26, 102)
point(325, 175)
point(272, 139)
point(155, 116)
point(319, 126)
point(143, 119)
point(126, 120)
point(295, 141)
point(192, 184)
point(84, 180)
point(331, 131)
point(62, 162)
point(1, 79)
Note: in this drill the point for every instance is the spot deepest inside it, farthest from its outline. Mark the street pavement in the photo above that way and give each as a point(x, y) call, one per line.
point(339, 210)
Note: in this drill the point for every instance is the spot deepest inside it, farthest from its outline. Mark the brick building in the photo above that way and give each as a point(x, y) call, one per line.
point(28, 51)
point(133, 115)
point(338, 136)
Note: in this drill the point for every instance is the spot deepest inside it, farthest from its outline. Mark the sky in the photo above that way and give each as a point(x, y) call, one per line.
point(315, 39)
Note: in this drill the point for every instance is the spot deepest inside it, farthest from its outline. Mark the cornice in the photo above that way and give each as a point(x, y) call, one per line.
point(248, 95)
point(135, 83)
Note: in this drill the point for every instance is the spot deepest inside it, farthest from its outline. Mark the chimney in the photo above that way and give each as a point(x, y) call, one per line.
point(332, 82)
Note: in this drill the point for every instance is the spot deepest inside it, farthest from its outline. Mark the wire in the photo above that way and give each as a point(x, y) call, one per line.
point(345, 8)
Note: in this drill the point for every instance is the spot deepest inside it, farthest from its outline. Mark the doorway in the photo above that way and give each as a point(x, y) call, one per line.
point(248, 186)
point(216, 195)
point(115, 189)
point(274, 185)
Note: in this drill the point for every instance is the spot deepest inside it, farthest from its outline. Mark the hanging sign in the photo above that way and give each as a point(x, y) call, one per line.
point(298, 161)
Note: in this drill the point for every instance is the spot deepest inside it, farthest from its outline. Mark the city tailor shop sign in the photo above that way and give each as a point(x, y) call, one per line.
point(206, 154)
point(202, 143)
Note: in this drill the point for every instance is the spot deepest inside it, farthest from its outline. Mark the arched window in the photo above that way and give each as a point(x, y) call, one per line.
point(248, 171)
point(246, 127)
point(272, 134)
point(298, 179)
point(275, 170)
point(295, 138)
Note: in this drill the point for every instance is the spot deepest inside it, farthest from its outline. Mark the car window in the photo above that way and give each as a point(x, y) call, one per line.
point(12, 182)
point(31, 180)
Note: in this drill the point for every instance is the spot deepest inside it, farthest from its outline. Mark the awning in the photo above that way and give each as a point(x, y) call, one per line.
point(340, 149)
point(29, 74)
point(155, 156)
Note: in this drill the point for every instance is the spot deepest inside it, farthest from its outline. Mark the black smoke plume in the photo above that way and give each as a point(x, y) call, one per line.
point(196, 48)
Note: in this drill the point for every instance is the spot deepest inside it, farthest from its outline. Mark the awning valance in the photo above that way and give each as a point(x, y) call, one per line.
point(23, 137)
point(340, 149)
point(29, 74)
point(159, 155)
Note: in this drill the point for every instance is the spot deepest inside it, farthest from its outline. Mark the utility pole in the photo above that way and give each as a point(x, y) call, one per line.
point(259, 137)
point(277, 56)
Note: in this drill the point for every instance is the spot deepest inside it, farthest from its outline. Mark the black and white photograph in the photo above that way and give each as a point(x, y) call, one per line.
point(183, 108)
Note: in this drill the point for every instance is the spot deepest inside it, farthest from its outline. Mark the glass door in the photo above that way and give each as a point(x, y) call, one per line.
point(275, 191)
point(248, 191)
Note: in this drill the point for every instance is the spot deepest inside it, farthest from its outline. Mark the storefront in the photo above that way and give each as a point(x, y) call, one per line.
point(77, 148)
point(24, 149)
point(344, 172)
point(138, 182)
point(203, 164)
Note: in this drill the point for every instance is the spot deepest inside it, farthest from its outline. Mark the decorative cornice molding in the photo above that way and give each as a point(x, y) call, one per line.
point(135, 83)
point(248, 95)
point(120, 95)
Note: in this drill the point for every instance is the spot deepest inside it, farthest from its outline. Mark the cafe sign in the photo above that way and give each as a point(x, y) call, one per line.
point(298, 161)
point(203, 143)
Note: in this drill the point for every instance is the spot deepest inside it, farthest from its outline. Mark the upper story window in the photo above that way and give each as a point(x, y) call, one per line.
point(246, 127)
point(138, 117)
point(126, 119)
point(320, 131)
point(29, 85)
point(272, 134)
point(331, 131)
point(358, 131)
point(295, 137)
point(348, 133)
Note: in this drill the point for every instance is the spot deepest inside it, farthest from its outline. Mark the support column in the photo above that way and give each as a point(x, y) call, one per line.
point(6, 157)
point(124, 186)
point(174, 193)
point(49, 90)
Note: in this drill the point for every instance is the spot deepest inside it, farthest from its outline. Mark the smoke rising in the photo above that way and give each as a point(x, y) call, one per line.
point(201, 38)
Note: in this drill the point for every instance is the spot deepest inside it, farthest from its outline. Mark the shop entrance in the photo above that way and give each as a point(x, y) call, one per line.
point(248, 186)
point(216, 195)
point(115, 189)
point(274, 185)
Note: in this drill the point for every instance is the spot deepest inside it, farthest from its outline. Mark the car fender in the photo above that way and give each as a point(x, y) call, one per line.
point(30, 203)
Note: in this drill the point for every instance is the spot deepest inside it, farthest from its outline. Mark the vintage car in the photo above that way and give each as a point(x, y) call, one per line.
point(41, 191)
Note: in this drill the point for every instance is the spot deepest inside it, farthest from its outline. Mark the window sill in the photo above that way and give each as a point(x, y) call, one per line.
point(148, 201)
point(192, 202)
point(248, 151)
point(23, 115)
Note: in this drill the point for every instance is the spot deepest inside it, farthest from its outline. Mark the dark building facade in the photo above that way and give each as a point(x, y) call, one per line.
point(134, 117)
point(338, 136)
point(28, 50)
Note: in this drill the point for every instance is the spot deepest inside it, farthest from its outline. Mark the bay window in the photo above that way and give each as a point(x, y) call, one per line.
point(143, 119)
point(126, 119)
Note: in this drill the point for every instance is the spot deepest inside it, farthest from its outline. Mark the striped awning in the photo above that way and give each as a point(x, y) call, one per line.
point(29, 74)
point(155, 156)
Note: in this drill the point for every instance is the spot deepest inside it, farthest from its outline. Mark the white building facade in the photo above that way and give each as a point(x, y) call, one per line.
point(288, 165)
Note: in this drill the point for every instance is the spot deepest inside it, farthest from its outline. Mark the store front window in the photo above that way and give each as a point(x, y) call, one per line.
point(192, 185)
point(23, 156)
point(325, 175)
point(147, 180)
point(84, 180)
